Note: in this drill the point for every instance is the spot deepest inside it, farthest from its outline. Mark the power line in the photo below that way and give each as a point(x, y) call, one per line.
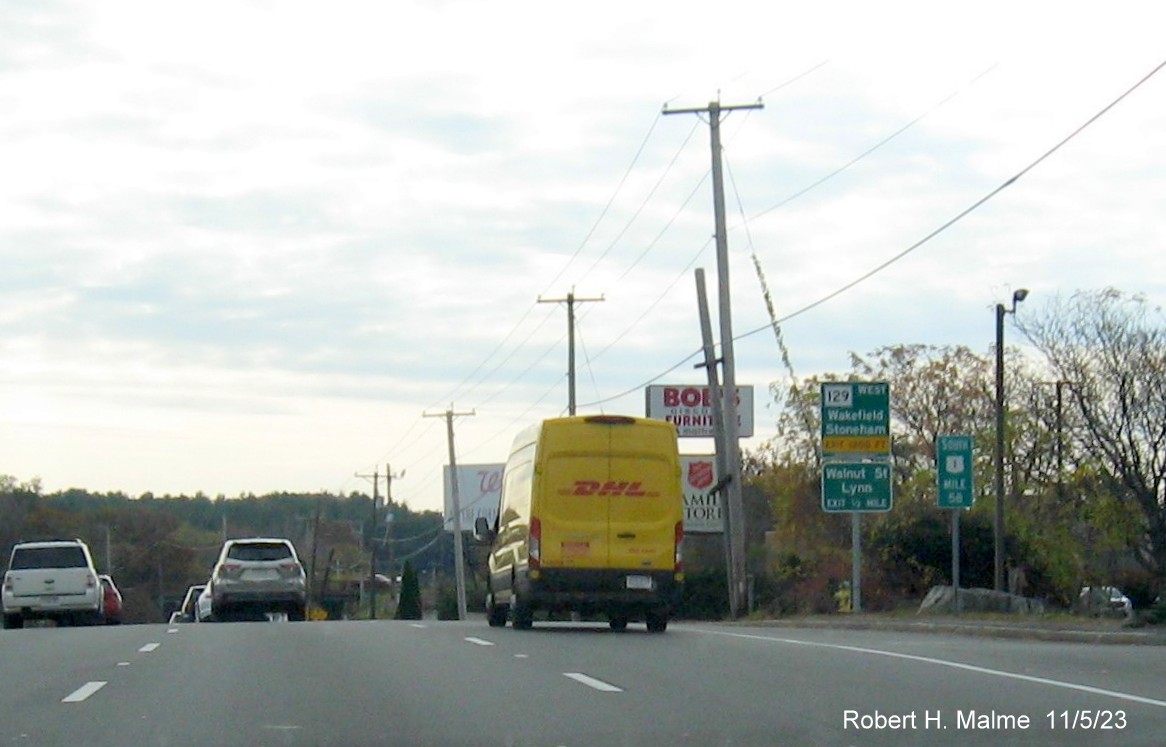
point(610, 201)
point(794, 79)
point(874, 147)
point(1007, 183)
point(640, 209)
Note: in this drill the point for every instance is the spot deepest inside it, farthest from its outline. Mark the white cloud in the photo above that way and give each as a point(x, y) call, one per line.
point(247, 244)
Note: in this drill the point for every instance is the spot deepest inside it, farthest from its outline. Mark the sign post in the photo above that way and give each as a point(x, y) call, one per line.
point(856, 463)
point(953, 474)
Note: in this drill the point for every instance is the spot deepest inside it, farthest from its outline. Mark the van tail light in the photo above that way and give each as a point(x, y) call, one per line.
point(679, 560)
point(534, 543)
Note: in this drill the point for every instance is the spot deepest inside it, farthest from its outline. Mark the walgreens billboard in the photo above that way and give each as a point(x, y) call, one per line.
point(690, 409)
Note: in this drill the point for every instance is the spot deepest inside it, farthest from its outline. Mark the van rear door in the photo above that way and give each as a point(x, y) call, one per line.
point(573, 513)
point(612, 497)
point(645, 503)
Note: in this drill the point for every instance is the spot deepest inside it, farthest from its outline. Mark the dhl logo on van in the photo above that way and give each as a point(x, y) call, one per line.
point(610, 488)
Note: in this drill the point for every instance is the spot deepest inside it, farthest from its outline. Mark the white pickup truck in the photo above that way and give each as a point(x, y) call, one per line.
point(53, 580)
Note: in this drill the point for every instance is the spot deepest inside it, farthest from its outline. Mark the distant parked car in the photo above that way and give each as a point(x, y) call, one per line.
point(202, 605)
point(111, 606)
point(52, 580)
point(1118, 600)
point(188, 612)
point(1102, 599)
point(257, 577)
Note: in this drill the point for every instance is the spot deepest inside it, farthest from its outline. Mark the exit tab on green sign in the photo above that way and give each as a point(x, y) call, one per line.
point(856, 486)
point(953, 469)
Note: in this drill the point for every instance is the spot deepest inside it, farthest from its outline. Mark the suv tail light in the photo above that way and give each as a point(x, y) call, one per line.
point(679, 560)
point(290, 569)
point(229, 569)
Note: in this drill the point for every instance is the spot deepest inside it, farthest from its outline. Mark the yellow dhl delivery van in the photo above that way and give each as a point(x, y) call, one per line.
point(591, 520)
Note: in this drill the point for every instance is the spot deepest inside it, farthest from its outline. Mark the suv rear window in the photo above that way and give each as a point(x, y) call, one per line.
point(25, 558)
point(260, 551)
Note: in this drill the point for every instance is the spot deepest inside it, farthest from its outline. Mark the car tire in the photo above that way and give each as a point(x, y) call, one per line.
point(523, 617)
point(13, 622)
point(496, 614)
point(297, 613)
point(657, 622)
point(618, 622)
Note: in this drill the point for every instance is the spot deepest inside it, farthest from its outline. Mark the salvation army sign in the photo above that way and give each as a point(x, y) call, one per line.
point(690, 409)
point(702, 510)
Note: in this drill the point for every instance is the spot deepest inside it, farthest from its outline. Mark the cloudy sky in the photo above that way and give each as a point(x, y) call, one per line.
point(246, 245)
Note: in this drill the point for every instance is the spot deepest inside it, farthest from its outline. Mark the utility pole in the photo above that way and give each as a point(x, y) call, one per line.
point(372, 548)
point(313, 592)
point(388, 516)
point(458, 550)
point(735, 504)
point(710, 366)
point(570, 300)
point(1061, 440)
point(999, 531)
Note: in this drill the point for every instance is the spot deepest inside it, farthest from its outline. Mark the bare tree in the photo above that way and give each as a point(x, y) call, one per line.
point(1111, 347)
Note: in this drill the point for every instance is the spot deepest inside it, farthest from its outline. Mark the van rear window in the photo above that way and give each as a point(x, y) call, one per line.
point(27, 558)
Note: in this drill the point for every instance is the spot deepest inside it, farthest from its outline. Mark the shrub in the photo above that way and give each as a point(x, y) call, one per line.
point(409, 606)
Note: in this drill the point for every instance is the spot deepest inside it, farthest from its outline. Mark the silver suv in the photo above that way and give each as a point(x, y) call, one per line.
point(53, 580)
point(255, 577)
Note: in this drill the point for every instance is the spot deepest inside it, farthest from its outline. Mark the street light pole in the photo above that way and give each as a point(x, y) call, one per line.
point(1017, 297)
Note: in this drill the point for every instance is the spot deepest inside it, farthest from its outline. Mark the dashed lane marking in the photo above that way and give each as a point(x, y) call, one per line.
point(593, 683)
point(82, 693)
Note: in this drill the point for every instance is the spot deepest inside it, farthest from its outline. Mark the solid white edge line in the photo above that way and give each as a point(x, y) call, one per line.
point(83, 692)
point(953, 665)
point(591, 682)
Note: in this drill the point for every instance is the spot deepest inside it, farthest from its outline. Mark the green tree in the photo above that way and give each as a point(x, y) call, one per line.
point(1111, 349)
point(409, 605)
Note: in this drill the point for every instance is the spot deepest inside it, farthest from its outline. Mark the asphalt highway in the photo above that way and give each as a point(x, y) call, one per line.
point(570, 685)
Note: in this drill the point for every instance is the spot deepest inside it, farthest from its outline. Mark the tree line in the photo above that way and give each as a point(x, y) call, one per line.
point(156, 547)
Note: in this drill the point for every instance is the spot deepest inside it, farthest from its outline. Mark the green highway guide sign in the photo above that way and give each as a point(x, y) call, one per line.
point(856, 418)
point(856, 486)
point(953, 470)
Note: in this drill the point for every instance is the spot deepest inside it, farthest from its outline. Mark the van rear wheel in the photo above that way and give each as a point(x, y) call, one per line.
point(523, 617)
point(618, 622)
point(496, 614)
point(657, 622)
